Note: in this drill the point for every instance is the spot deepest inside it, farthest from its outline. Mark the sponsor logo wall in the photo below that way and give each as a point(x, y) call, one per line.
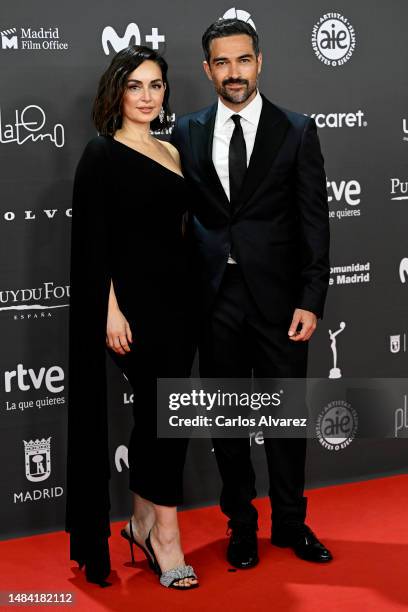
point(50, 63)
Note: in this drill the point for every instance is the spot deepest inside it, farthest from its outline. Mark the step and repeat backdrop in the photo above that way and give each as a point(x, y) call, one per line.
point(345, 64)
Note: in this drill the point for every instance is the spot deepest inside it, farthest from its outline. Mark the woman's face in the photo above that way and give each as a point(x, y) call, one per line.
point(143, 97)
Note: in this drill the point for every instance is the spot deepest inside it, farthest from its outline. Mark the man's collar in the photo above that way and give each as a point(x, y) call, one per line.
point(251, 112)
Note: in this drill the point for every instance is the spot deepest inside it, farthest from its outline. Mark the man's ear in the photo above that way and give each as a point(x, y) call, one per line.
point(207, 69)
point(259, 62)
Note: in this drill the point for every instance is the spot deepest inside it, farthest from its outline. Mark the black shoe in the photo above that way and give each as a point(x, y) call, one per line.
point(303, 541)
point(242, 551)
point(131, 539)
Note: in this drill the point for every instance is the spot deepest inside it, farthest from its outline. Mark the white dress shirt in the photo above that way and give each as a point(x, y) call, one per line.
point(223, 128)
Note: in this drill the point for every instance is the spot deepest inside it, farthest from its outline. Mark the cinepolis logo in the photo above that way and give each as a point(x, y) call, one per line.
point(336, 425)
point(340, 120)
point(399, 189)
point(234, 13)
point(132, 36)
point(29, 124)
point(333, 39)
point(31, 39)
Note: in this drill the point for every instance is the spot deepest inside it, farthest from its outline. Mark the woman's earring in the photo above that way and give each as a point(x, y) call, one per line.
point(161, 115)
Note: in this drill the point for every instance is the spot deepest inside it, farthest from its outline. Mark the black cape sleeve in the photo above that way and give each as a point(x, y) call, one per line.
point(88, 468)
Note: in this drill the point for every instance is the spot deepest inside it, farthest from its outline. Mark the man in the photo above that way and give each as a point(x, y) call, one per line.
point(261, 235)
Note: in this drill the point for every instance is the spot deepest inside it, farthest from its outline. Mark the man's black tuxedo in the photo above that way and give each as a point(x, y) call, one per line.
point(280, 226)
point(279, 231)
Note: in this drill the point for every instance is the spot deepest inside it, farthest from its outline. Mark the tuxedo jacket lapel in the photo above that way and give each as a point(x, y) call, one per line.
point(272, 128)
point(271, 132)
point(201, 135)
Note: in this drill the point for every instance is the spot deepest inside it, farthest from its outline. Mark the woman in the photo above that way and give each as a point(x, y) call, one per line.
point(129, 290)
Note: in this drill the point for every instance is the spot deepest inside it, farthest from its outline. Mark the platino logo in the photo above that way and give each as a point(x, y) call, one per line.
point(27, 126)
point(333, 39)
point(131, 36)
point(336, 425)
point(403, 269)
point(335, 372)
point(37, 459)
point(234, 13)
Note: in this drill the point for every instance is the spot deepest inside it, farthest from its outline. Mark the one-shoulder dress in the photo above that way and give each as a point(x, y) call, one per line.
point(126, 226)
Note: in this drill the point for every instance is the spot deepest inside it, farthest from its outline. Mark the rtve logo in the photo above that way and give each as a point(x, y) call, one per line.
point(350, 191)
point(26, 380)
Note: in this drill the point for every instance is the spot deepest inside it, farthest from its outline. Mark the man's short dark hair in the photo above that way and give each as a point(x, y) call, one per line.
point(228, 27)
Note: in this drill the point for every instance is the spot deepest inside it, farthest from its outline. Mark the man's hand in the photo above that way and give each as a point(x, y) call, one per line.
point(307, 320)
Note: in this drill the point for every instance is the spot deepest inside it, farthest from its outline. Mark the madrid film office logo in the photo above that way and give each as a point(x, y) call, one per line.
point(32, 39)
point(131, 36)
point(333, 39)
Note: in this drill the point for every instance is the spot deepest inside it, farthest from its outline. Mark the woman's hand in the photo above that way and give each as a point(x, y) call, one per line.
point(118, 332)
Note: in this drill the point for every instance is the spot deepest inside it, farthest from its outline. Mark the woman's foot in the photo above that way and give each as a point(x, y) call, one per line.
point(167, 548)
point(140, 528)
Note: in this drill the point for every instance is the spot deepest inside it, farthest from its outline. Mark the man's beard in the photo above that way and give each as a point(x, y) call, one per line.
point(236, 97)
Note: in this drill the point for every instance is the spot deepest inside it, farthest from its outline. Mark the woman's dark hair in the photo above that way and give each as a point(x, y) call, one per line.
point(107, 107)
point(228, 27)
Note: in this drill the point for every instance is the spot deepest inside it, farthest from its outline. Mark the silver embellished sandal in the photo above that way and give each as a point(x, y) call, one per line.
point(171, 576)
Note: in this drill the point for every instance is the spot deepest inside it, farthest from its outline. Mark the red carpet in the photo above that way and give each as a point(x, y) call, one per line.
point(364, 524)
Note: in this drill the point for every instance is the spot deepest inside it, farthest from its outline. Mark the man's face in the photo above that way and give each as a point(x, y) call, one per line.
point(233, 68)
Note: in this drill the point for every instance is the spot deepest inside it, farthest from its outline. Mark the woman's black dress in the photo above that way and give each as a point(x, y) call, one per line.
point(126, 226)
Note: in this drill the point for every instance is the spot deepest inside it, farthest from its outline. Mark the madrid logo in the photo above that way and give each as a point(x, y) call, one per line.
point(37, 459)
point(336, 425)
point(132, 36)
point(333, 39)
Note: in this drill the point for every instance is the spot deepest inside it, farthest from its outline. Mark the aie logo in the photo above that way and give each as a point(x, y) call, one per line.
point(131, 36)
point(403, 269)
point(333, 39)
point(9, 39)
point(234, 13)
point(336, 425)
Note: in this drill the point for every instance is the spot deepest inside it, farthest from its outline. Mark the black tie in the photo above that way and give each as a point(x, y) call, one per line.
point(237, 161)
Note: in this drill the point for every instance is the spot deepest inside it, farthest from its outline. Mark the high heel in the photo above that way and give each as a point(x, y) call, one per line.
point(131, 539)
point(169, 577)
